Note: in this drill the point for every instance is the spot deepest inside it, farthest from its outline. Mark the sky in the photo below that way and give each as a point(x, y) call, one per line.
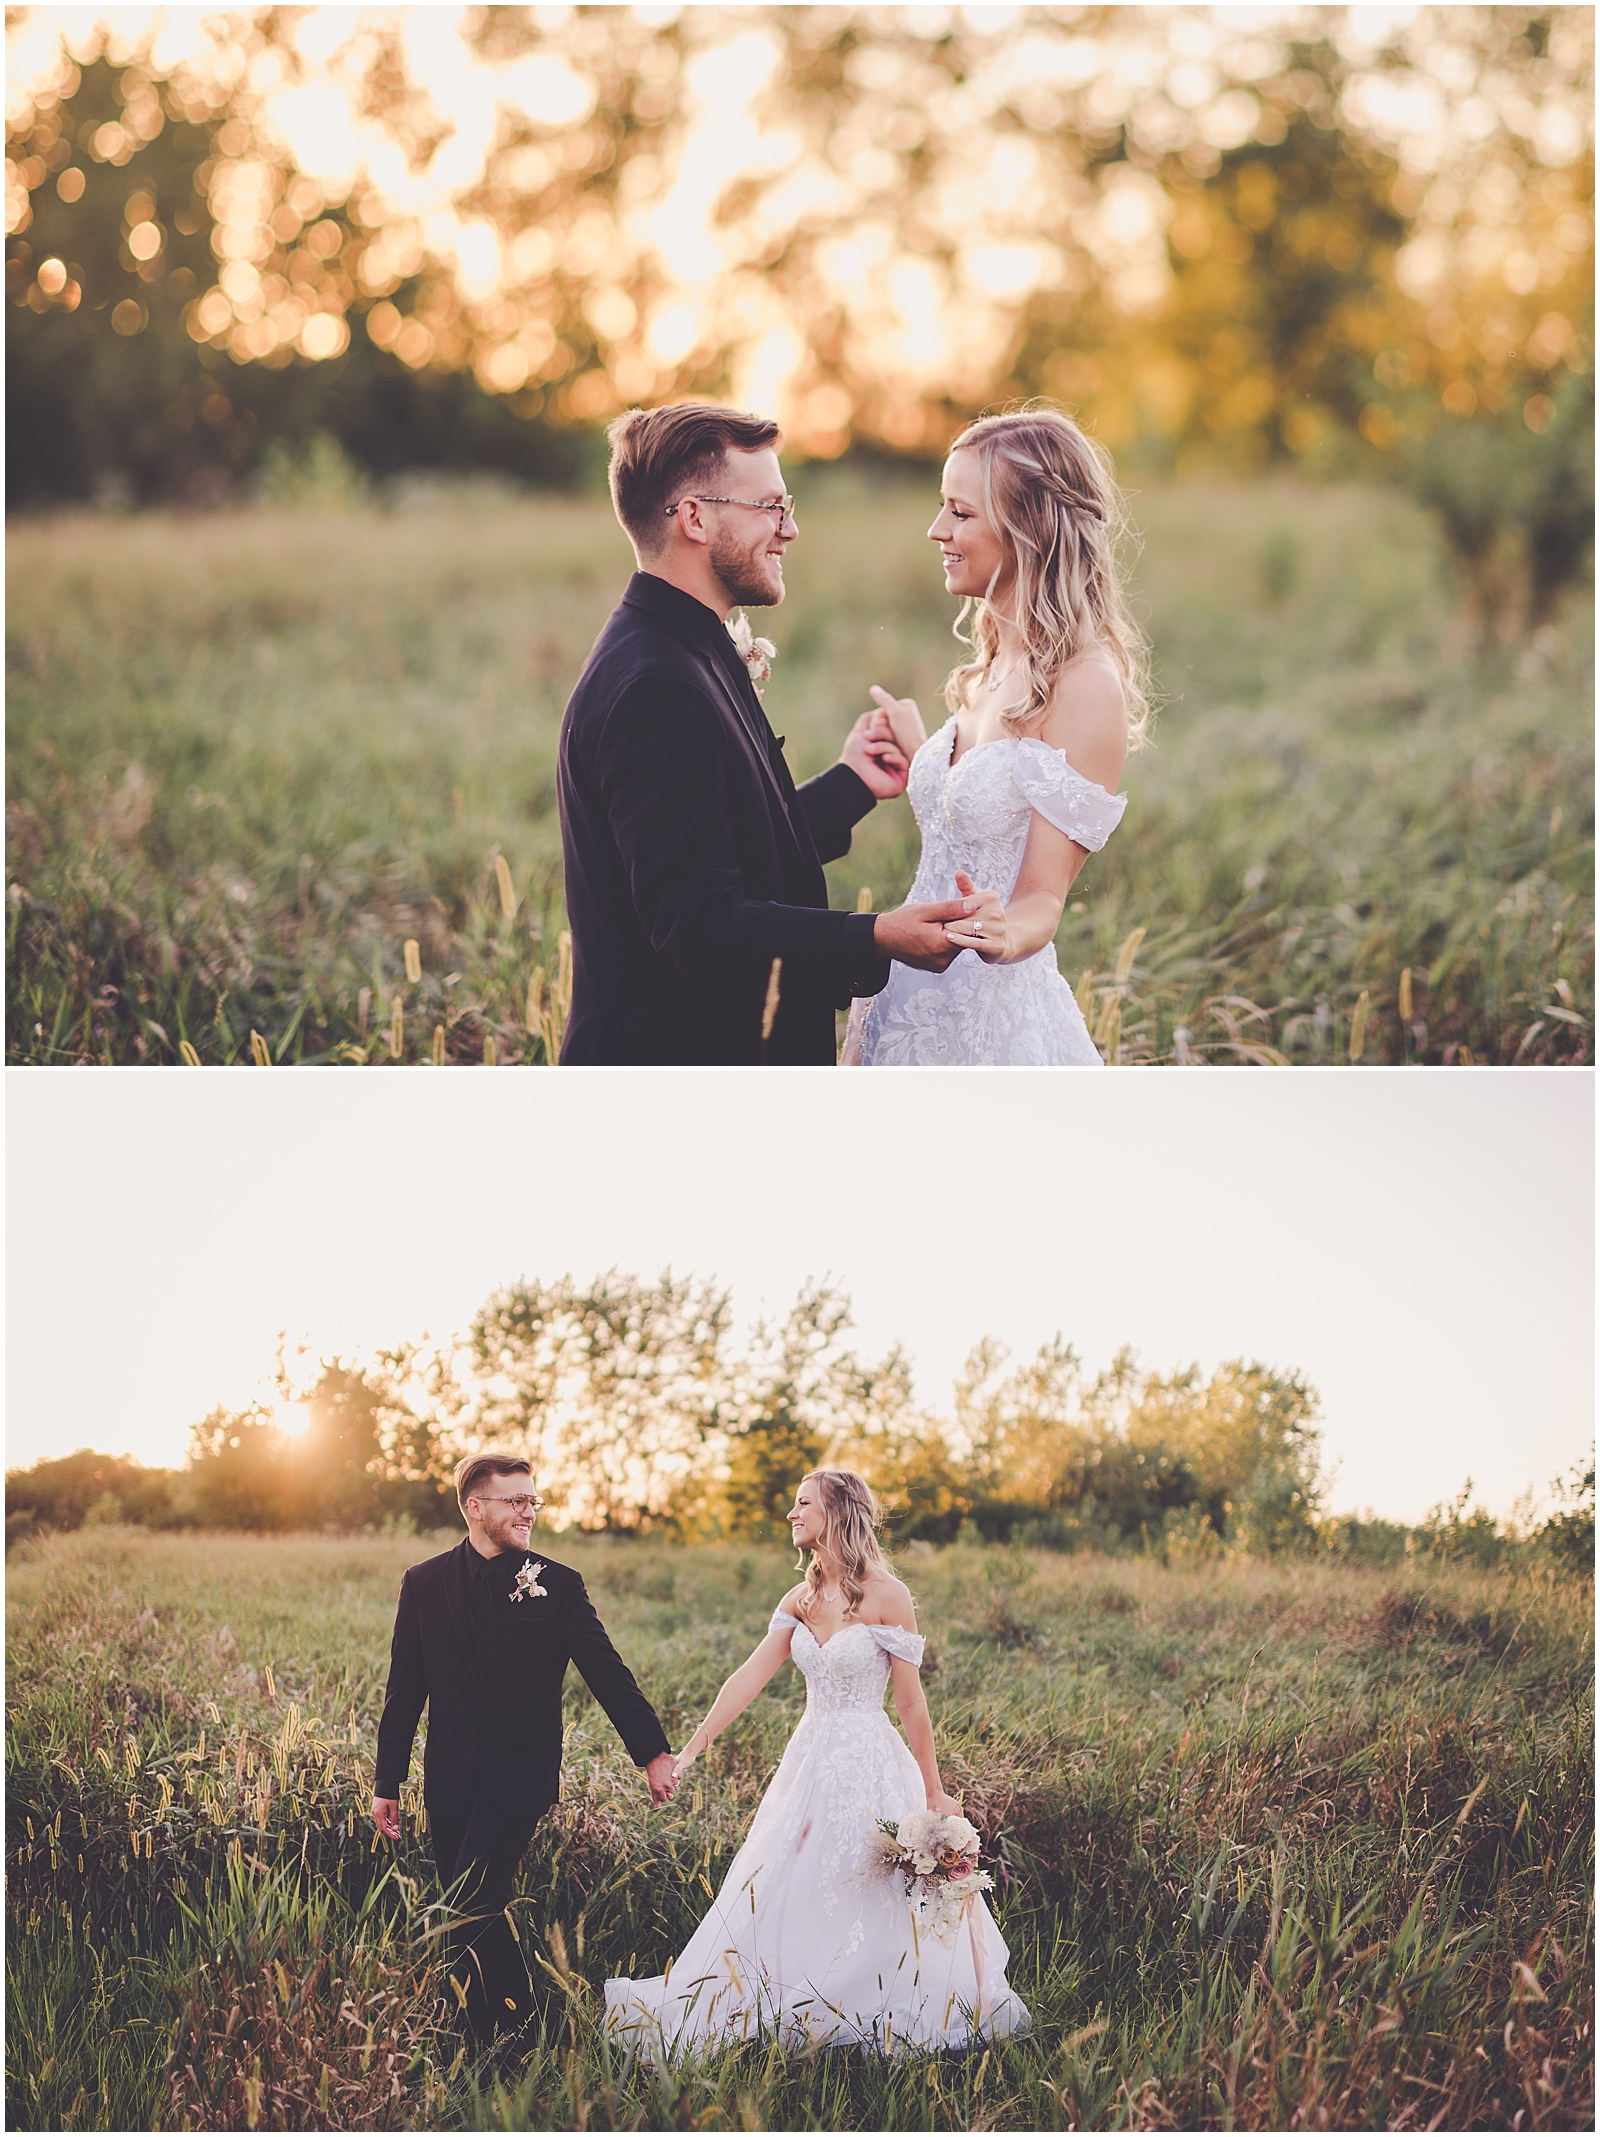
point(1420, 1244)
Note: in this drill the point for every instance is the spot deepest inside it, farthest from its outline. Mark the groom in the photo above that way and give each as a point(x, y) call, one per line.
point(693, 861)
point(483, 1635)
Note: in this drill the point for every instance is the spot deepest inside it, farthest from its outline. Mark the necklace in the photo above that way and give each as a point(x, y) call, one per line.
point(993, 679)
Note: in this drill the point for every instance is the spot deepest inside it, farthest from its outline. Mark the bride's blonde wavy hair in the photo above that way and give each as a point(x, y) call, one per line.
point(1049, 494)
point(853, 1516)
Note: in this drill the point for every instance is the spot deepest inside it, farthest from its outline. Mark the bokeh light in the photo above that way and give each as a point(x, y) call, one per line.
point(865, 220)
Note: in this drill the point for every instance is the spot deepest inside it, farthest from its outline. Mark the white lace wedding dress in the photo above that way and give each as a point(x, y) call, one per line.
point(974, 815)
point(798, 1943)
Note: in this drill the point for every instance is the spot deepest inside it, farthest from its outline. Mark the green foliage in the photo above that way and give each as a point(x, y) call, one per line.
point(1279, 1845)
point(1518, 510)
point(129, 401)
point(613, 1389)
point(1569, 1532)
point(318, 477)
point(766, 1463)
point(363, 1458)
point(1456, 1529)
point(1217, 251)
point(74, 1488)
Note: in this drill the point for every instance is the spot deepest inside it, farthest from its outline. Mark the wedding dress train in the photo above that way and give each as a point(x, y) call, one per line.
point(974, 815)
point(801, 1941)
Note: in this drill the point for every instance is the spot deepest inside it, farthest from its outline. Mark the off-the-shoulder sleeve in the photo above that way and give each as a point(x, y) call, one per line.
point(907, 1646)
point(780, 1621)
point(1064, 797)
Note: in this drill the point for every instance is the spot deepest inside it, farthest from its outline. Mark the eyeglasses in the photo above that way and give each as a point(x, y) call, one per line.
point(784, 511)
point(524, 1502)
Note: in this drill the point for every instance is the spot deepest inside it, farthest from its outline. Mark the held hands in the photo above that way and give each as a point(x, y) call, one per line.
point(686, 1757)
point(881, 745)
point(900, 720)
point(920, 935)
point(983, 925)
point(386, 1816)
point(871, 753)
point(662, 1776)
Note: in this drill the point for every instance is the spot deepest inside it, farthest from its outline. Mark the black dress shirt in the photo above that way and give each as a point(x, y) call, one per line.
point(491, 1583)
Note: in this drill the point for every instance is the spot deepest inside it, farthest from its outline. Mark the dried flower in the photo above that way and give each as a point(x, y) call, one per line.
point(938, 1858)
point(528, 1579)
point(758, 654)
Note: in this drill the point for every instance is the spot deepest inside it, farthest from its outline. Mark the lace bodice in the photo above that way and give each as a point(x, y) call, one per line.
point(975, 814)
point(846, 1675)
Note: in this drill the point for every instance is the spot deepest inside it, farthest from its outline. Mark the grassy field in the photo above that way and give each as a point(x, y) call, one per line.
point(252, 757)
point(1278, 1845)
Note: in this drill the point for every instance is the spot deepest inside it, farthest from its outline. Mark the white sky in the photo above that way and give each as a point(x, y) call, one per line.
point(1419, 1243)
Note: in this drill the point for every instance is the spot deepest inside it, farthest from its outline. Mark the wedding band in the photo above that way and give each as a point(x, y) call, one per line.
point(977, 927)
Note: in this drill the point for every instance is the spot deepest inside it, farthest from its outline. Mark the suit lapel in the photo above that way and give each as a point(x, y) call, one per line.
point(455, 1595)
point(754, 725)
point(753, 722)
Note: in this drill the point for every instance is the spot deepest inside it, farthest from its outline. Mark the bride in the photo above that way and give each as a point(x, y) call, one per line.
point(801, 1941)
point(1018, 787)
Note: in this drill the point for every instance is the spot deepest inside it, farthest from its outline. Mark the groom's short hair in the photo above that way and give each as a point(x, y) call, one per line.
point(471, 1472)
point(659, 455)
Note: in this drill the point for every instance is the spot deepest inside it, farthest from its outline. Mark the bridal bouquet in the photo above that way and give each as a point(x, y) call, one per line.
point(937, 1855)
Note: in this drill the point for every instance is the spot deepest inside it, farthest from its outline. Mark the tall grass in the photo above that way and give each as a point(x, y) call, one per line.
point(1279, 1845)
point(254, 757)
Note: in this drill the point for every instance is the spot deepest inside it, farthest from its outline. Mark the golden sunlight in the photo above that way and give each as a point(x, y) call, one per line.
point(856, 219)
point(291, 1418)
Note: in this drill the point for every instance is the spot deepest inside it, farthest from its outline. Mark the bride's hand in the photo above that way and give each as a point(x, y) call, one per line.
point(685, 1759)
point(984, 930)
point(946, 1805)
point(904, 721)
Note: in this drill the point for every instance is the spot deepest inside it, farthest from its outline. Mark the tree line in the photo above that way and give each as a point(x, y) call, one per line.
point(644, 1412)
point(1248, 258)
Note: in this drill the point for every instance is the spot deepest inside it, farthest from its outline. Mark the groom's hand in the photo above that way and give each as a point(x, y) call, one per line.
point(916, 934)
point(872, 754)
point(386, 1816)
point(661, 1776)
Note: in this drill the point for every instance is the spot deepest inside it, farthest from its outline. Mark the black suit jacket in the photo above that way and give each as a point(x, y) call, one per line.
point(494, 1719)
point(692, 859)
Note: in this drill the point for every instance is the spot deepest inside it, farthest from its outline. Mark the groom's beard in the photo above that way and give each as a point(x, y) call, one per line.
point(746, 577)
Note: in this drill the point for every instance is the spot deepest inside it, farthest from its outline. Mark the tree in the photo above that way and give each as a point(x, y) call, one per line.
point(181, 294)
point(1045, 1444)
point(767, 1459)
point(1249, 1435)
point(364, 1455)
point(1216, 238)
point(237, 1470)
point(614, 1390)
point(62, 1493)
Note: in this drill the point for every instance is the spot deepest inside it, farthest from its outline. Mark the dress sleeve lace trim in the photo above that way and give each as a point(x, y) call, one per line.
point(906, 1645)
point(1063, 797)
point(780, 1619)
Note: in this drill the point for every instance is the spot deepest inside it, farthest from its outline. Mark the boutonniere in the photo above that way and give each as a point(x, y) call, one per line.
point(528, 1580)
point(758, 654)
